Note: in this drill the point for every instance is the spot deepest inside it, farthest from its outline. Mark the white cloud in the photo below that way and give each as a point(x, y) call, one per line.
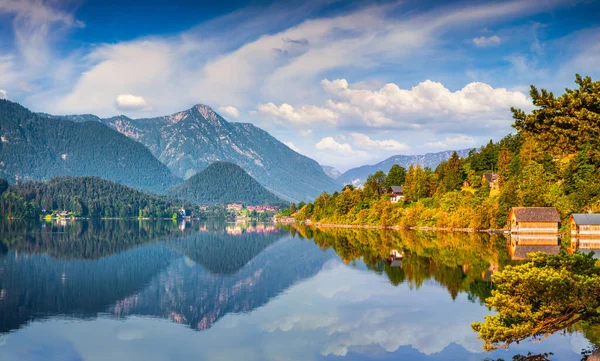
point(301, 116)
point(279, 66)
point(37, 10)
point(455, 141)
point(3, 94)
point(130, 102)
point(330, 144)
point(484, 41)
point(306, 133)
point(365, 142)
point(230, 110)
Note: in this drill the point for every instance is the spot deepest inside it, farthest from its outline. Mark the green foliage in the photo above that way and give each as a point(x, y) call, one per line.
point(221, 183)
point(536, 299)
point(567, 123)
point(36, 148)
point(91, 197)
point(396, 176)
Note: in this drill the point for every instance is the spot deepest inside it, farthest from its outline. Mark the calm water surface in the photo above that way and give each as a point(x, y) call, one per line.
point(129, 290)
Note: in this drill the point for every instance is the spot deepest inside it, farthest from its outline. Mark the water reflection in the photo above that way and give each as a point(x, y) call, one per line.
point(523, 244)
point(256, 292)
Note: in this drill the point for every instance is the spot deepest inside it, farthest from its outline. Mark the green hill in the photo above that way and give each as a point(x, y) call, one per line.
point(86, 197)
point(223, 182)
point(34, 147)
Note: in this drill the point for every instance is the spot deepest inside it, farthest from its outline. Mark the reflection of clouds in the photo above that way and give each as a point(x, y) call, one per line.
point(300, 324)
point(360, 309)
point(130, 334)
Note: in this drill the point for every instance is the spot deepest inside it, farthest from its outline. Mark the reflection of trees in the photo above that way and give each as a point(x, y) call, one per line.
point(529, 357)
point(462, 262)
point(83, 239)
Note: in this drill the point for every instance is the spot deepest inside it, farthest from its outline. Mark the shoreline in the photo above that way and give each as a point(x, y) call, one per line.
point(420, 228)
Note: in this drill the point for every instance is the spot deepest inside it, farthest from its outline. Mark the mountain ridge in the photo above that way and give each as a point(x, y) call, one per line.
point(39, 147)
point(190, 140)
point(357, 176)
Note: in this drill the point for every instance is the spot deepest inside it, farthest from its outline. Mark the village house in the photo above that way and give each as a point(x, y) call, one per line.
point(534, 220)
point(396, 193)
point(235, 207)
point(585, 225)
point(491, 179)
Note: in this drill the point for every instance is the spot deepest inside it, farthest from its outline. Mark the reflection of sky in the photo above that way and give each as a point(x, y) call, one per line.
point(342, 311)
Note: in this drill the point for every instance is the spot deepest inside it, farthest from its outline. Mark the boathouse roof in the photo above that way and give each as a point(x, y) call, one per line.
point(536, 214)
point(586, 219)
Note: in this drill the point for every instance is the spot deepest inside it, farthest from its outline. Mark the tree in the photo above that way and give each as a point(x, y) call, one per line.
point(563, 124)
point(536, 299)
point(453, 176)
point(3, 185)
point(396, 176)
point(375, 183)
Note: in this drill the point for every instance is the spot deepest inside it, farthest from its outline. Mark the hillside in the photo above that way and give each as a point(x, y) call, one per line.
point(221, 183)
point(86, 197)
point(34, 147)
point(357, 176)
point(189, 141)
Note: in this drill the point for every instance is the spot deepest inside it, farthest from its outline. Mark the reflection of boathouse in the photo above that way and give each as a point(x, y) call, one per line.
point(586, 244)
point(534, 220)
point(523, 244)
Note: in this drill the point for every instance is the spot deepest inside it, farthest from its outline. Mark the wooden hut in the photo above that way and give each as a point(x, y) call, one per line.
point(396, 193)
point(534, 220)
point(585, 225)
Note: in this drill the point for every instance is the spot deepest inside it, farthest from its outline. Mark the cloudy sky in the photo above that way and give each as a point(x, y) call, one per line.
point(344, 82)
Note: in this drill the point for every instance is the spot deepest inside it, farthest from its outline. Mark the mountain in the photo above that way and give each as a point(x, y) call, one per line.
point(189, 141)
point(34, 147)
point(331, 171)
point(223, 182)
point(357, 176)
point(92, 197)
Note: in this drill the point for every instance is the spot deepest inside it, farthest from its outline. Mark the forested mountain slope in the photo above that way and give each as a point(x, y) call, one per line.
point(35, 147)
point(223, 182)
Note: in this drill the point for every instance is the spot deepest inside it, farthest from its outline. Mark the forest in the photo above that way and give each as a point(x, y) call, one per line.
point(89, 197)
point(553, 159)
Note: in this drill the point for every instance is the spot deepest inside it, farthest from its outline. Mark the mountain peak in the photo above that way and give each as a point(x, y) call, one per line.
point(206, 111)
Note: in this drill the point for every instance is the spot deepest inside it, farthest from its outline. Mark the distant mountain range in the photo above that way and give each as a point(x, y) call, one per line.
point(357, 176)
point(223, 182)
point(331, 171)
point(189, 141)
point(33, 147)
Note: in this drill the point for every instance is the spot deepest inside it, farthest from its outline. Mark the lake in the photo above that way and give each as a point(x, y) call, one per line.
point(158, 290)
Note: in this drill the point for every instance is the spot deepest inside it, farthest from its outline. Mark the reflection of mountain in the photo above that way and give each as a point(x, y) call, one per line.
point(235, 273)
point(187, 293)
point(37, 286)
point(222, 253)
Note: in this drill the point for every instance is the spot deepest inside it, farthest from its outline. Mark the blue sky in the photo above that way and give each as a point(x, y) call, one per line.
point(346, 83)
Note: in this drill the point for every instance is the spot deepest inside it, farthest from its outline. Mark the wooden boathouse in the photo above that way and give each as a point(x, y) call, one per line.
point(534, 220)
point(585, 225)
